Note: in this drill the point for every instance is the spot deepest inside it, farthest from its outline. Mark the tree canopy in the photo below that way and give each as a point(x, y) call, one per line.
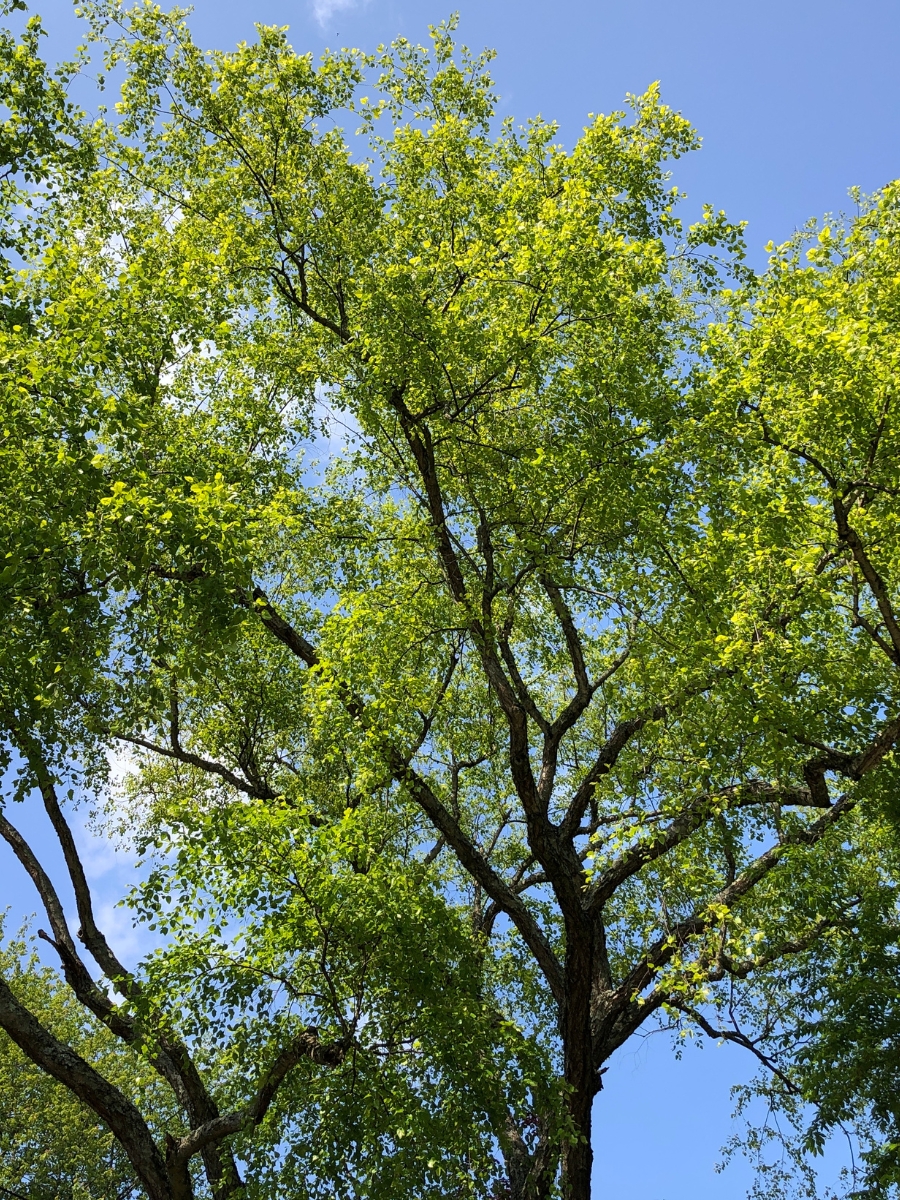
point(486, 587)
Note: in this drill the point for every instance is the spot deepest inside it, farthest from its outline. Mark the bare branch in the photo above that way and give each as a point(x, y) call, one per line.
point(732, 1035)
point(418, 438)
point(77, 975)
point(584, 692)
point(178, 754)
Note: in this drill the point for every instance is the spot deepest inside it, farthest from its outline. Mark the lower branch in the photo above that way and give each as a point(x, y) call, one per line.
point(114, 1109)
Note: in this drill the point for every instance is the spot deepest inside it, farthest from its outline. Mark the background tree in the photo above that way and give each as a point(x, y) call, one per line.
point(517, 724)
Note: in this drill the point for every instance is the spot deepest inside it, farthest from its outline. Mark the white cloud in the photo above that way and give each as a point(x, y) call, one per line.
point(324, 10)
point(130, 941)
point(99, 856)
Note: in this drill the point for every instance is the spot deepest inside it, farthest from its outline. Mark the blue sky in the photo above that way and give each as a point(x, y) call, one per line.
point(796, 101)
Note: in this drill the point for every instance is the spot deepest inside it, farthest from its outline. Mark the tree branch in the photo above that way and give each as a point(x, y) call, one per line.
point(877, 586)
point(64, 1065)
point(89, 934)
point(446, 824)
point(76, 973)
point(483, 873)
point(618, 1013)
point(689, 821)
point(603, 764)
point(280, 629)
point(178, 754)
point(305, 1046)
point(732, 1035)
point(173, 1061)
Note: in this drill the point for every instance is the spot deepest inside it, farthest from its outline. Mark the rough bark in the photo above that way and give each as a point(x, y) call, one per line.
point(578, 1068)
point(530, 1173)
point(123, 1119)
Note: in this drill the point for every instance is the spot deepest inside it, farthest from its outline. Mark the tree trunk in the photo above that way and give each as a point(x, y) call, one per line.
point(179, 1171)
point(578, 1060)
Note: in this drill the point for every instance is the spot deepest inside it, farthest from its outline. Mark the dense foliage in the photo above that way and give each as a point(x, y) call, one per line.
point(492, 616)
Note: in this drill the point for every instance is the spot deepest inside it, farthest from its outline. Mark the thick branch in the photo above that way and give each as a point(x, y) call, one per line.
point(445, 823)
point(118, 1113)
point(603, 764)
point(526, 699)
point(173, 1061)
point(871, 756)
point(77, 975)
point(483, 873)
point(688, 822)
point(89, 934)
point(584, 691)
point(583, 688)
point(280, 629)
point(727, 967)
point(442, 819)
point(418, 438)
point(530, 1174)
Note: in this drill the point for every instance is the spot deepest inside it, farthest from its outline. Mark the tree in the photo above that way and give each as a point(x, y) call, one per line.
point(510, 729)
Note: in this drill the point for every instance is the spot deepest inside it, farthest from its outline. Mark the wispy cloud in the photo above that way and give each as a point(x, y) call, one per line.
point(130, 939)
point(325, 10)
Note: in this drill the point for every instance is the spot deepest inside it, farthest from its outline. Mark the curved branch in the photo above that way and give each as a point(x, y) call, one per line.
point(114, 1109)
point(195, 760)
point(484, 874)
point(305, 1046)
point(731, 1035)
point(173, 1061)
point(443, 820)
point(89, 934)
point(77, 975)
